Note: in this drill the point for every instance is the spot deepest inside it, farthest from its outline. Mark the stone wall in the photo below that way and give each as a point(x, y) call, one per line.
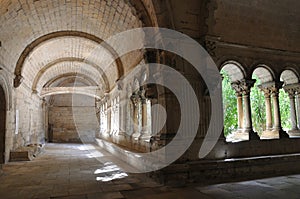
point(29, 118)
point(24, 115)
point(265, 23)
point(69, 123)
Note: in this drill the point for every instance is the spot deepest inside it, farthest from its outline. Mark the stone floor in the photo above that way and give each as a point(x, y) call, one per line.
point(81, 171)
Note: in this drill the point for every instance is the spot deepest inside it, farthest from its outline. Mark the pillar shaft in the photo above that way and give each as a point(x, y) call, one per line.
point(136, 115)
point(298, 109)
point(293, 112)
point(240, 111)
point(248, 118)
point(277, 119)
point(144, 115)
point(268, 112)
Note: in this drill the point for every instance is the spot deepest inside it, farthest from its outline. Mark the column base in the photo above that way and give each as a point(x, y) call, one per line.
point(145, 137)
point(270, 134)
point(237, 136)
point(135, 136)
point(294, 133)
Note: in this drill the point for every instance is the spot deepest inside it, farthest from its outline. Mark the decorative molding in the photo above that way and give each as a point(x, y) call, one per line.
point(213, 42)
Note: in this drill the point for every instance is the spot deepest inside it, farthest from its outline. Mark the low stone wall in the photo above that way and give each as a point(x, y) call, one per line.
point(254, 148)
point(211, 172)
point(275, 160)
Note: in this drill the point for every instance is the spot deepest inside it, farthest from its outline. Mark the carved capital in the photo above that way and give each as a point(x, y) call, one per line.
point(142, 94)
point(271, 88)
point(292, 89)
point(266, 90)
point(243, 87)
point(135, 98)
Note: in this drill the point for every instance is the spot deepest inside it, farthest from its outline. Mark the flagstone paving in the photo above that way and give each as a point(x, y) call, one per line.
point(83, 171)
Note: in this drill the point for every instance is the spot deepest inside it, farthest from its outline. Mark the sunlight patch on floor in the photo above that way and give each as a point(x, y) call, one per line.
point(109, 172)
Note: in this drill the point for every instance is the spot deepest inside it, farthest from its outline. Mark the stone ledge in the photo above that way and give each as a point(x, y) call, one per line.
point(130, 157)
point(220, 171)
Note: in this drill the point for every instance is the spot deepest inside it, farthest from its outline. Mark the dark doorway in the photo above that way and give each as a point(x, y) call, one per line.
point(2, 124)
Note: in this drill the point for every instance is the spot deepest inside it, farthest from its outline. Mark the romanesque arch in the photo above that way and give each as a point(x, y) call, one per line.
point(59, 34)
point(2, 124)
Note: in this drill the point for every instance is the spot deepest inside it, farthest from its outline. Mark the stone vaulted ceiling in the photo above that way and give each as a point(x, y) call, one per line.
point(41, 40)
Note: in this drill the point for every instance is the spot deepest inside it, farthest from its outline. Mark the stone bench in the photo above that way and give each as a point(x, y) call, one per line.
point(26, 153)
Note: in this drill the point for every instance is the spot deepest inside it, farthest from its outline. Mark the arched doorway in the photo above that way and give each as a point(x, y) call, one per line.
point(2, 124)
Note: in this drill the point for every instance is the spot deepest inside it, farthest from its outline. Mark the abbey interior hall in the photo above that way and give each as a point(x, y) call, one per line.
point(88, 88)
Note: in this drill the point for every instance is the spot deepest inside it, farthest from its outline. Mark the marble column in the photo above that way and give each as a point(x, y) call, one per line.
point(268, 133)
point(144, 118)
point(248, 116)
point(136, 117)
point(268, 105)
point(46, 117)
point(246, 89)
point(298, 108)
point(292, 92)
point(276, 109)
point(108, 119)
point(293, 112)
point(276, 112)
point(240, 110)
point(269, 122)
point(243, 88)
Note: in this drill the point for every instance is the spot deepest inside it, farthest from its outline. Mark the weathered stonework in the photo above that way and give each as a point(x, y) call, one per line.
point(49, 47)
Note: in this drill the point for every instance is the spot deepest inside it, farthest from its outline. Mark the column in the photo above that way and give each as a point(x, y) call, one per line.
point(145, 134)
point(276, 110)
point(269, 122)
point(292, 91)
point(277, 119)
point(298, 108)
point(108, 117)
point(293, 111)
point(268, 133)
point(246, 88)
point(239, 97)
point(245, 129)
point(46, 118)
point(118, 115)
point(136, 106)
point(240, 110)
point(267, 94)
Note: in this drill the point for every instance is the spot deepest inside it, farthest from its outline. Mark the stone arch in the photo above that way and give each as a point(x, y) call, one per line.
point(147, 12)
point(3, 107)
point(71, 59)
point(74, 68)
point(39, 41)
point(69, 75)
point(234, 74)
point(269, 126)
point(291, 87)
point(289, 76)
point(91, 94)
point(264, 73)
point(234, 70)
point(5, 85)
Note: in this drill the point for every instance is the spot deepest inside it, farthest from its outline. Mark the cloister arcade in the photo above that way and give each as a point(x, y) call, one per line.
point(270, 89)
point(63, 79)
